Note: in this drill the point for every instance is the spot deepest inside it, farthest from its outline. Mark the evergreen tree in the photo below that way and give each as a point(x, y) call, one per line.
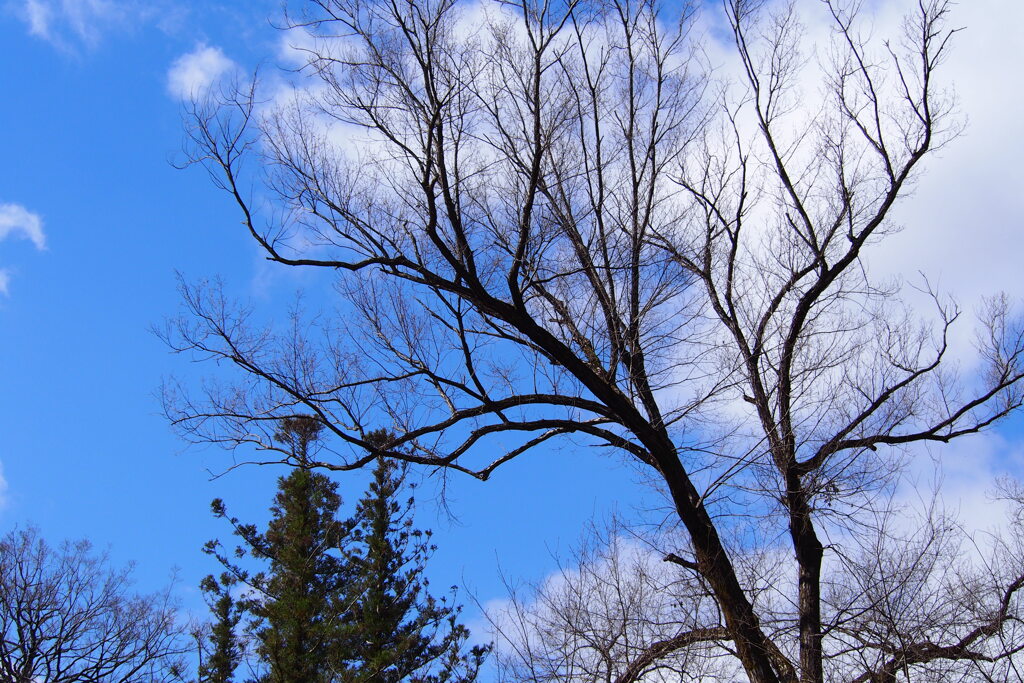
point(339, 601)
point(297, 601)
point(304, 580)
point(223, 647)
point(398, 631)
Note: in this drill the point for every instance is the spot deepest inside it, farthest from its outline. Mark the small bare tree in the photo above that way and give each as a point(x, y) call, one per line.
point(616, 611)
point(67, 617)
point(562, 225)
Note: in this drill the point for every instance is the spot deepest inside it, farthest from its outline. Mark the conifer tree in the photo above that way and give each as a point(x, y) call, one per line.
point(304, 581)
point(339, 601)
point(296, 602)
point(397, 630)
point(223, 647)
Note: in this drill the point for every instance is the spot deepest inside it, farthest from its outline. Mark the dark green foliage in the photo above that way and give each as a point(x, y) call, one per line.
point(338, 600)
point(296, 602)
point(398, 631)
point(223, 648)
point(299, 613)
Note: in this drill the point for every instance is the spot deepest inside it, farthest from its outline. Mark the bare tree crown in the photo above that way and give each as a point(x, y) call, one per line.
point(564, 224)
point(66, 616)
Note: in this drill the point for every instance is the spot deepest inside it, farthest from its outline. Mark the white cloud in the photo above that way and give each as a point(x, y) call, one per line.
point(196, 72)
point(963, 475)
point(3, 482)
point(39, 17)
point(963, 226)
point(16, 219)
point(67, 23)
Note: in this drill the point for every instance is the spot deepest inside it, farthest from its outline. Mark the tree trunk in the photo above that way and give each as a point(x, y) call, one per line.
point(809, 553)
point(760, 658)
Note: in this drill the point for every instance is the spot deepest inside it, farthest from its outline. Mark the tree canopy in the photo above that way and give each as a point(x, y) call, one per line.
point(68, 616)
point(565, 226)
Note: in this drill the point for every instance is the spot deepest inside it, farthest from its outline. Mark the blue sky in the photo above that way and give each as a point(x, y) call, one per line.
point(95, 220)
point(91, 129)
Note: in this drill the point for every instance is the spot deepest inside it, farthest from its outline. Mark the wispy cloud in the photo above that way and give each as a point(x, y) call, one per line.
point(3, 488)
point(17, 221)
point(195, 72)
point(68, 24)
point(39, 16)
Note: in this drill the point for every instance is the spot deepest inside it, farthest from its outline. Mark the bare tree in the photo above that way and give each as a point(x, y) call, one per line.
point(923, 605)
point(67, 617)
point(562, 225)
point(616, 611)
